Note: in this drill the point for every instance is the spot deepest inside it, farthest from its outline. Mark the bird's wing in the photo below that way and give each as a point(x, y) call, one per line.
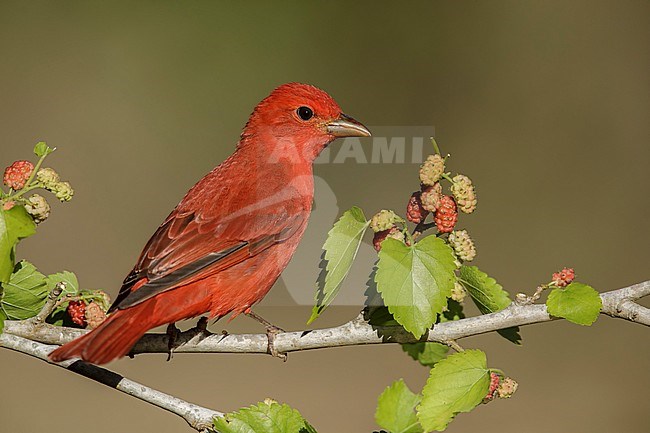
point(191, 245)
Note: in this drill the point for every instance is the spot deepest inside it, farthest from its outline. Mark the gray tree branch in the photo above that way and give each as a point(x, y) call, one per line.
point(200, 418)
point(37, 339)
point(617, 303)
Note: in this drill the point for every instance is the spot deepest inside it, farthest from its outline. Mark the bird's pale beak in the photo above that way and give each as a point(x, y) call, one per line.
point(345, 126)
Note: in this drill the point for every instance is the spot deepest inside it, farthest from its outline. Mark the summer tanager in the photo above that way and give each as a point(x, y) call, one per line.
point(225, 244)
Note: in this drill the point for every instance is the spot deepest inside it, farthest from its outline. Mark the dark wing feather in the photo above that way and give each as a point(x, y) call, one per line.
point(179, 276)
point(189, 246)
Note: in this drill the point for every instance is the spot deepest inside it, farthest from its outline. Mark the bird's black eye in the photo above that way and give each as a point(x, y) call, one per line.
point(305, 113)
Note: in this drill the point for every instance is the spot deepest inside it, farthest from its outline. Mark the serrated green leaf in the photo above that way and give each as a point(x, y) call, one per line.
point(396, 409)
point(42, 149)
point(15, 224)
point(341, 247)
point(427, 354)
point(25, 293)
point(19, 223)
point(456, 384)
point(415, 281)
point(577, 302)
point(380, 316)
point(265, 417)
point(488, 295)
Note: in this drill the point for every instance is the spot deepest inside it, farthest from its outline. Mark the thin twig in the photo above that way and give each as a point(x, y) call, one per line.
point(50, 303)
point(454, 345)
point(200, 418)
point(523, 299)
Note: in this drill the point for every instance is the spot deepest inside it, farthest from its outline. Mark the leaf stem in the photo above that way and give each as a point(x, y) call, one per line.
point(24, 190)
point(435, 146)
point(498, 371)
point(446, 176)
point(454, 345)
point(38, 165)
point(538, 293)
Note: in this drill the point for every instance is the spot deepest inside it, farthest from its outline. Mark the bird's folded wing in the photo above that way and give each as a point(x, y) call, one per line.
point(188, 247)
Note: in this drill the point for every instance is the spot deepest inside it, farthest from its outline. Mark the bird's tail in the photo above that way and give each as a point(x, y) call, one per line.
point(112, 339)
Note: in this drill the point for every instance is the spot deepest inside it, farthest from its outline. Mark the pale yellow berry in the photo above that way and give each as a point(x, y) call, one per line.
point(463, 245)
point(63, 191)
point(38, 208)
point(458, 293)
point(432, 170)
point(463, 191)
point(48, 177)
point(383, 220)
point(507, 388)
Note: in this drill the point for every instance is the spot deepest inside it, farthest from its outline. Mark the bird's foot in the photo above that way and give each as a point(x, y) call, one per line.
point(202, 324)
point(172, 335)
point(271, 332)
point(200, 331)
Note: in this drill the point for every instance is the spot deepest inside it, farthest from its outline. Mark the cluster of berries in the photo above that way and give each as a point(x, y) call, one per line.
point(86, 314)
point(20, 178)
point(564, 277)
point(431, 200)
point(384, 224)
point(502, 387)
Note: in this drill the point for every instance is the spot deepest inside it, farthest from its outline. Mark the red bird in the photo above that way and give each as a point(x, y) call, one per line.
point(226, 243)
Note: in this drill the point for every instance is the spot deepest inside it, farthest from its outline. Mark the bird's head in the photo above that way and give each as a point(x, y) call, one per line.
point(298, 120)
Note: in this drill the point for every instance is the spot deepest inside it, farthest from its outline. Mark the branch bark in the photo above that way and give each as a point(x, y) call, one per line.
point(29, 336)
point(200, 418)
point(617, 303)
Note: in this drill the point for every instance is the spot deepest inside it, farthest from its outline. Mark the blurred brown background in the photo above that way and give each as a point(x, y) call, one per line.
point(544, 104)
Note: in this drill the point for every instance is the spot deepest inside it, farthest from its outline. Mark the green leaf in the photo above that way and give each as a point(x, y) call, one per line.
point(396, 409)
point(380, 316)
point(67, 277)
point(3, 317)
point(25, 293)
point(488, 295)
point(266, 417)
point(42, 149)
point(341, 246)
point(426, 353)
point(577, 302)
point(456, 384)
point(6, 250)
point(15, 224)
point(415, 281)
point(454, 311)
